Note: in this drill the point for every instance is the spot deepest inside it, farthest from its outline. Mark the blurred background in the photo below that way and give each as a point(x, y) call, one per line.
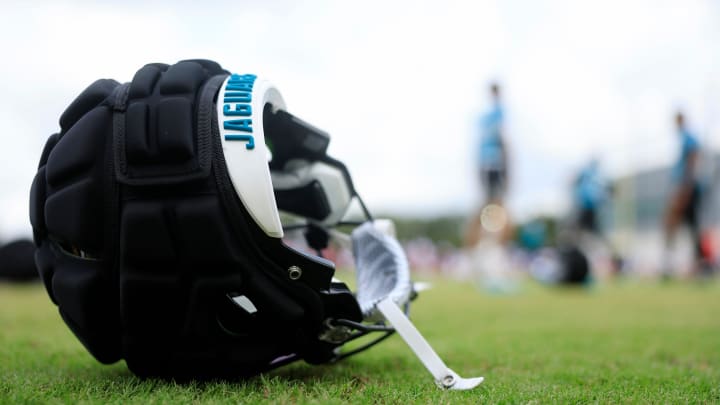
point(402, 87)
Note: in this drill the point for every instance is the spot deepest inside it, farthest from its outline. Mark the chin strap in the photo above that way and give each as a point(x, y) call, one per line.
point(444, 377)
point(383, 280)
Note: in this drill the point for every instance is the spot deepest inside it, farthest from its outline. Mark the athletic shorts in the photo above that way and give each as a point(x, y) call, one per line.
point(587, 220)
point(690, 214)
point(494, 183)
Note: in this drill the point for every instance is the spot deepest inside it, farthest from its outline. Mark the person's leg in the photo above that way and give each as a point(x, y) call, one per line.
point(494, 187)
point(473, 230)
point(670, 225)
point(589, 228)
point(484, 178)
point(501, 192)
point(692, 221)
point(593, 225)
point(586, 220)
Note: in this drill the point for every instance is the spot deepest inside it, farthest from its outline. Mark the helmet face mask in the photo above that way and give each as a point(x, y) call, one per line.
point(155, 212)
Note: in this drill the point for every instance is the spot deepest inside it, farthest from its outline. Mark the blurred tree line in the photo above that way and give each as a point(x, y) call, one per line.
point(441, 230)
point(447, 230)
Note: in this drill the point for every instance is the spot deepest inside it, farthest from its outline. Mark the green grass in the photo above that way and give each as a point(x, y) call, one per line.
point(619, 343)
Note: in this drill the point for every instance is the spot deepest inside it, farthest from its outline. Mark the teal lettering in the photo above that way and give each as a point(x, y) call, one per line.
point(238, 125)
point(249, 77)
point(245, 86)
point(236, 99)
point(241, 110)
point(237, 96)
point(246, 138)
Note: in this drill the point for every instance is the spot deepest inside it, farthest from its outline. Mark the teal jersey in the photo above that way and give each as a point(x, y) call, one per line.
point(491, 154)
point(688, 145)
point(589, 188)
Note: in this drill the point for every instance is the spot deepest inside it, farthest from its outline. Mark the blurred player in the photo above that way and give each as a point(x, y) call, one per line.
point(493, 151)
point(683, 205)
point(590, 192)
point(493, 172)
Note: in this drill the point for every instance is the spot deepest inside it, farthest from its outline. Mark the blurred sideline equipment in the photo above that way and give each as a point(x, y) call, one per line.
point(155, 211)
point(564, 265)
point(16, 261)
point(575, 265)
point(565, 262)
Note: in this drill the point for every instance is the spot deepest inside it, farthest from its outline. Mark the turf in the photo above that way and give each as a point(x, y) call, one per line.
point(617, 343)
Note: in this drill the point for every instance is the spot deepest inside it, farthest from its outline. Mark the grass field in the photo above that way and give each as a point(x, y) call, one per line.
point(619, 343)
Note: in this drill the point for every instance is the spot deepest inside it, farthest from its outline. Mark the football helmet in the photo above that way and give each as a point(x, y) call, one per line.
point(156, 215)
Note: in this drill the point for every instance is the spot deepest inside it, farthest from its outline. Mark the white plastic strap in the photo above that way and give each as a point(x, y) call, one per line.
point(444, 377)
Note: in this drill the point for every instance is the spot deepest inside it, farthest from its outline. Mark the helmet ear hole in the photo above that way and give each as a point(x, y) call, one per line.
point(75, 251)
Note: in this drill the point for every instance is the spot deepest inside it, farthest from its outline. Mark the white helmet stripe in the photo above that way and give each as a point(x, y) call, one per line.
point(240, 107)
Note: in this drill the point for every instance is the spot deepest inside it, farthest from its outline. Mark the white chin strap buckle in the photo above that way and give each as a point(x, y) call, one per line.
point(445, 378)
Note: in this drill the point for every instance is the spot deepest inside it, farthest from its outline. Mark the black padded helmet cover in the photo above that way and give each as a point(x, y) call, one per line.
point(148, 250)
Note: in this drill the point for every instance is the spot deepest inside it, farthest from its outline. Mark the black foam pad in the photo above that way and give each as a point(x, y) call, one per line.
point(16, 261)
